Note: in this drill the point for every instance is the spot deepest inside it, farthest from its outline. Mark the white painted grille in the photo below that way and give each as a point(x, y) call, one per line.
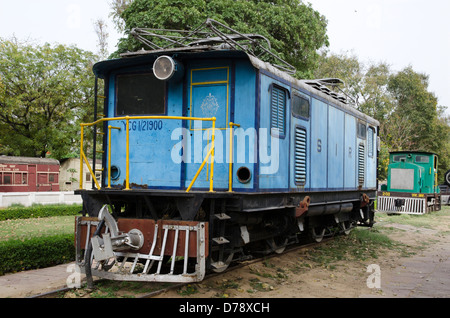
point(361, 163)
point(411, 206)
point(300, 156)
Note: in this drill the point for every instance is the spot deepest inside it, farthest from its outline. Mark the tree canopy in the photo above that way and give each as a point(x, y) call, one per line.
point(295, 30)
point(45, 91)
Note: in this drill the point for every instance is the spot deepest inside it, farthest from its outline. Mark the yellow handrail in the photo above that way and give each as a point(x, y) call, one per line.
point(128, 118)
point(213, 146)
point(83, 156)
point(230, 169)
point(127, 178)
point(109, 154)
point(199, 170)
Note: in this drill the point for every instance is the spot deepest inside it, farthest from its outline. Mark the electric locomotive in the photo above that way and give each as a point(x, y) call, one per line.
point(212, 153)
point(412, 186)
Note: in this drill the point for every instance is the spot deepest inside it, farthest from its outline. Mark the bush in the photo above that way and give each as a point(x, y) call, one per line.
point(38, 252)
point(18, 255)
point(38, 211)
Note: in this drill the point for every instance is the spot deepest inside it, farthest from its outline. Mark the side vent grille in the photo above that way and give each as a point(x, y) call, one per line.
point(300, 156)
point(361, 163)
point(278, 109)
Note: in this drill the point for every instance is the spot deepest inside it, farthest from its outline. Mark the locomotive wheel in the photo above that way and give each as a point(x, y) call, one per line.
point(221, 265)
point(346, 227)
point(447, 178)
point(277, 244)
point(317, 234)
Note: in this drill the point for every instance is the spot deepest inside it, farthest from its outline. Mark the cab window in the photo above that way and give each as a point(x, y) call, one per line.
point(399, 158)
point(422, 159)
point(300, 106)
point(140, 94)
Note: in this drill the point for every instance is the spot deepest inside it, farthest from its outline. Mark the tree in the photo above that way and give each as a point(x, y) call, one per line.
point(365, 84)
point(376, 100)
point(295, 30)
point(417, 107)
point(345, 67)
point(117, 8)
point(424, 124)
point(101, 29)
point(45, 92)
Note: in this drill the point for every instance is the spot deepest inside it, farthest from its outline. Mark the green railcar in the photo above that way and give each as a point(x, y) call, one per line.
point(412, 186)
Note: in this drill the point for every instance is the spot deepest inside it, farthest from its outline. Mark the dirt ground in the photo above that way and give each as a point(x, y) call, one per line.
point(419, 266)
point(416, 264)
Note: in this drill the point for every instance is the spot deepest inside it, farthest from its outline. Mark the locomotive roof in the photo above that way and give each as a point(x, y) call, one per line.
point(102, 69)
point(212, 39)
point(413, 152)
point(28, 160)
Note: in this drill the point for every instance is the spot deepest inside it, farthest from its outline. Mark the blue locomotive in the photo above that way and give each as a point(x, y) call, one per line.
point(213, 152)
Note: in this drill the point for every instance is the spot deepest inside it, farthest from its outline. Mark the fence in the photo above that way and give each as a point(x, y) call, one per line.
point(30, 198)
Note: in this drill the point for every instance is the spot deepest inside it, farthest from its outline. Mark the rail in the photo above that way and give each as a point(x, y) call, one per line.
point(230, 169)
point(84, 159)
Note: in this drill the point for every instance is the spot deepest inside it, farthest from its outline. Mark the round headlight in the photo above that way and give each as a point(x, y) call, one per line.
point(164, 68)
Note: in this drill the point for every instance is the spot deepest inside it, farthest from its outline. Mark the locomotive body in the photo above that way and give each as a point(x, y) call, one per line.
point(412, 184)
point(211, 155)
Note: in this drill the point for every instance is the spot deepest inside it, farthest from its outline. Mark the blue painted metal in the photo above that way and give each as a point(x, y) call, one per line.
point(319, 144)
point(350, 154)
point(335, 148)
point(300, 131)
point(209, 91)
point(318, 153)
point(273, 168)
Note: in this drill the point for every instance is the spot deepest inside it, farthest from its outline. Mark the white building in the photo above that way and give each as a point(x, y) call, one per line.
point(69, 174)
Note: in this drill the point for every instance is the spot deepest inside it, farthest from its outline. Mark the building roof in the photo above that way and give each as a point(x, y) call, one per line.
point(28, 160)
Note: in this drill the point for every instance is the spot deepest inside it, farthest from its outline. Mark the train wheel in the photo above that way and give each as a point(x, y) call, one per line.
point(345, 227)
point(278, 244)
point(220, 266)
point(447, 178)
point(317, 234)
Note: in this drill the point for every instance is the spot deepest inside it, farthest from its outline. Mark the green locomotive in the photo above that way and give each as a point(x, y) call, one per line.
point(412, 186)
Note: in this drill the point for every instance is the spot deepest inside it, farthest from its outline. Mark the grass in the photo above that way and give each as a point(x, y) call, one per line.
point(118, 289)
point(428, 221)
point(22, 229)
point(363, 243)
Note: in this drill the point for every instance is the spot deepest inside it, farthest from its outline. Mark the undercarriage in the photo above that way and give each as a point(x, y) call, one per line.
point(174, 236)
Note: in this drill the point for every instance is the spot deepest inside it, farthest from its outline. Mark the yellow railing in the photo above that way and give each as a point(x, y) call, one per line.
point(230, 169)
point(127, 119)
point(109, 154)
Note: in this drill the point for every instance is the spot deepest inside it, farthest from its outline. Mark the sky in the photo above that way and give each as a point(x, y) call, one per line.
point(56, 21)
point(398, 32)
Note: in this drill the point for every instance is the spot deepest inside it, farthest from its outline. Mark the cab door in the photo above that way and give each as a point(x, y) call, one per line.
point(435, 186)
point(209, 96)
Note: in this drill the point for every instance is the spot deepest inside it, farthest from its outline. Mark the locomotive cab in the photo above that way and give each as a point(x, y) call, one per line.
point(166, 152)
point(412, 184)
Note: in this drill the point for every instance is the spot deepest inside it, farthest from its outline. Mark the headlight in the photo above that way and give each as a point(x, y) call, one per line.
point(165, 68)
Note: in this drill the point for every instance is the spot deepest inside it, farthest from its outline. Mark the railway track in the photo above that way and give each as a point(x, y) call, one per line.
point(290, 249)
